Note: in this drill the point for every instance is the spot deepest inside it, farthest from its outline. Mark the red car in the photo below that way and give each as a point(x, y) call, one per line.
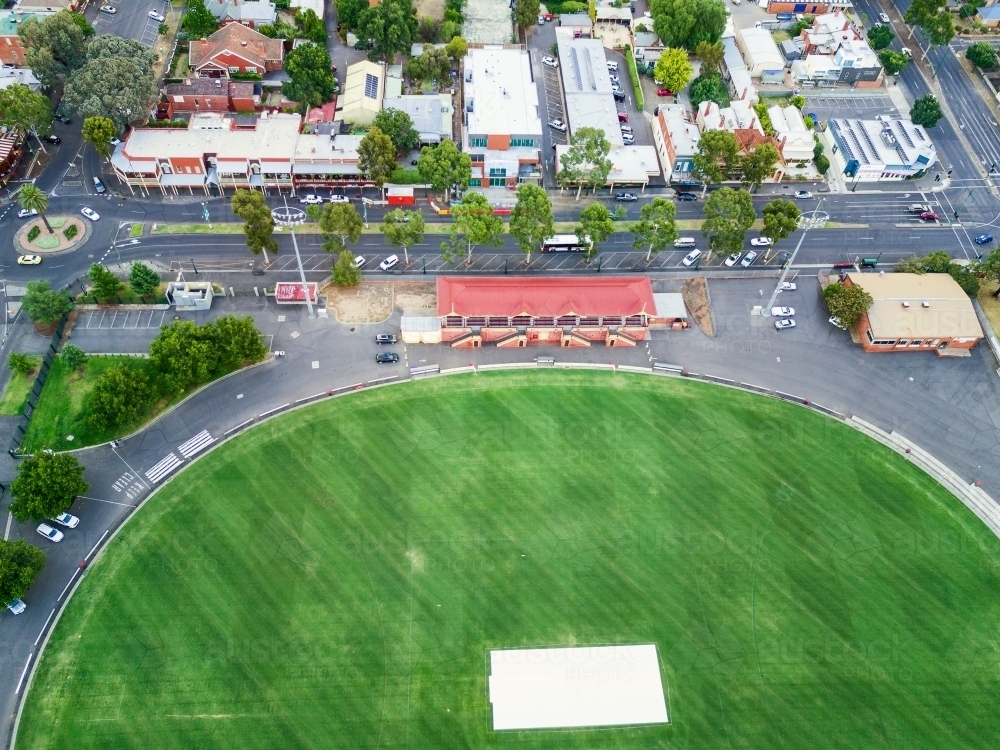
point(664, 92)
point(623, 117)
point(928, 216)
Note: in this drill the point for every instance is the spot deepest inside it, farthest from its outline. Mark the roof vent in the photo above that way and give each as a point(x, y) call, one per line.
point(244, 44)
point(925, 304)
point(905, 303)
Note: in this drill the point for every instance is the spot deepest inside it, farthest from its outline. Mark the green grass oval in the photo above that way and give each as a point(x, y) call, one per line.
point(336, 578)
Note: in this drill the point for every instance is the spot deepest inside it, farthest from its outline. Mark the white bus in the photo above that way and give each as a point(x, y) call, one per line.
point(564, 243)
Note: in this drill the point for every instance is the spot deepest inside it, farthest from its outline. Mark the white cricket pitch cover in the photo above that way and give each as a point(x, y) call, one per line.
point(589, 686)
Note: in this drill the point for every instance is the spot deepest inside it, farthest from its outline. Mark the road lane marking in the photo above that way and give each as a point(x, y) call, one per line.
point(42, 631)
point(23, 673)
point(94, 548)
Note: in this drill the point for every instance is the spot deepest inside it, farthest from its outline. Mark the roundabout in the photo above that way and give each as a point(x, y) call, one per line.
point(68, 232)
point(339, 575)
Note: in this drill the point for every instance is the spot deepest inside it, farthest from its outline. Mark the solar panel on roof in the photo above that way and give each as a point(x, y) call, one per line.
point(371, 86)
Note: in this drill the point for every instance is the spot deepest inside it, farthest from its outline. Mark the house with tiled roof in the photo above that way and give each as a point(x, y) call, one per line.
point(255, 13)
point(236, 49)
point(11, 49)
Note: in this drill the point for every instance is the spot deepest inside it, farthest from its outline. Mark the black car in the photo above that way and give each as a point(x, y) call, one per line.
point(386, 358)
point(64, 119)
point(784, 258)
point(687, 197)
point(626, 197)
point(55, 140)
point(385, 338)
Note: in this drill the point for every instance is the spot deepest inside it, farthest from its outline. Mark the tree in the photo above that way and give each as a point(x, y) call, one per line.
point(279, 30)
point(595, 226)
point(311, 78)
point(54, 46)
point(893, 61)
point(349, 12)
point(982, 55)
point(531, 219)
point(116, 82)
point(965, 278)
point(525, 12)
point(143, 280)
point(23, 109)
point(881, 36)
point(20, 563)
point(108, 46)
point(711, 55)
point(377, 156)
point(686, 23)
point(43, 305)
point(933, 18)
point(709, 89)
point(238, 342)
point(34, 199)
point(587, 158)
point(444, 165)
point(990, 266)
point(20, 363)
point(183, 354)
point(98, 131)
point(391, 25)
point(73, 356)
point(403, 229)
point(656, 229)
point(474, 225)
point(46, 485)
point(781, 218)
point(310, 26)
point(718, 155)
point(674, 69)
point(847, 303)
point(251, 206)
point(121, 397)
point(105, 284)
point(346, 271)
point(340, 224)
point(398, 125)
point(457, 48)
point(432, 64)
point(728, 215)
point(926, 111)
point(758, 165)
point(199, 22)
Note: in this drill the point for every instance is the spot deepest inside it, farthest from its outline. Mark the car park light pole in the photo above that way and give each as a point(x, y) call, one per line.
point(291, 217)
point(766, 312)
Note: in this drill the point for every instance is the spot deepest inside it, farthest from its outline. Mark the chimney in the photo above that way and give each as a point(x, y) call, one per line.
point(905, 303)
point(925, 304)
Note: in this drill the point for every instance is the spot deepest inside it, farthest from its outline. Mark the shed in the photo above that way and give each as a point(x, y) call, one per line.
point(420, 329)
point(789, 51)
point(670, 311)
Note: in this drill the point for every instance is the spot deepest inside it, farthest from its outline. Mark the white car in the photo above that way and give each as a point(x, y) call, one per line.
point(156, 16)
point(803, 194)
point(311, 200)
point(53, 535)
point(906, 51)
point(29, 260)
point(784, 323)
point(67, 520)
point(782, 312)
point(360, 260)
point(691, 257)
point(733, 259)
point(558, 125)
point(550, 61)
point(109, 9)
point(339, 199)
point(761, 242)
point(17, 606)
point(748, 259)
point(883, 17)
point(24, 213)
point(90, 213)
point(389, 263)
point(788, 286)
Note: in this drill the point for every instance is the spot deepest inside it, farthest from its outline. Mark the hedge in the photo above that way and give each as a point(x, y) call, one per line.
point(70, 232)
point(634, 75)
point(33, 233)
point(406, 177)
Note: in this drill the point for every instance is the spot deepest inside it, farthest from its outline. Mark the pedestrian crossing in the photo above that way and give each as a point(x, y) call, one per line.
point(196, 444)
point(163, 468)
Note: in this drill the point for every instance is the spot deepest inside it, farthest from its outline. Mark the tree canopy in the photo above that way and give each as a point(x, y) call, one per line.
point(340, 224)
point(403, 229)
point(982, 55)
point(377, 156)
point(198, 21)
point(781, 218)
point(310, 26)
point(758, 165)
point(444, 165)
point(718, 156)
point(309, 68)
point(596, 225)
point(345, 270)
point(121, 397)
point(143, 280)
point(398, 125)
point(349, 12)
point(926, 111)
point(847, 303)
point(54, 45)
point(531, 219)
point(586, 160)
point(474, 225)
point(686, 23)
point(104, 284)
point(46, 485)
point(44, 305)
point(709, 88)
point(116, 82)
point(187, 355)
point(525, 12)
point(656, 229)
point(728, 215)
point(880, 37)
point(23, 109)
point(20, 563)
point(893, 61)
point(391, 25)
point(251, 206)
point(933, 17)
point(674, 69)
point(711, 55)
point(98, 132)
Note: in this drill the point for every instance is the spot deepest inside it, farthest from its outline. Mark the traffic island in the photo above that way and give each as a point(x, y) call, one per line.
point(68, 233)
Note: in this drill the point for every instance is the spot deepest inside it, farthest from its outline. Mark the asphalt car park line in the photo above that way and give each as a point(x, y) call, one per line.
point(109, 502)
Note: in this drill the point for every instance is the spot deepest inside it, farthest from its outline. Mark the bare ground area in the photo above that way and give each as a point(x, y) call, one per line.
point(430, 9)
point(695, 293)
point(417, 297)
point(373, 301)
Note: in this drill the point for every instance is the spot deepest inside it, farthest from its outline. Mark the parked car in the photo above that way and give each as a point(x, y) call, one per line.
point(550, 61)
point(803, 194)
point(928, 216)
point(626, 197)
point(618, 94)
point(541, 20)
point(984, 239)
point(360, 260)
point(385, 338)
point(782, 312)
point(628, 139)
point(311, 200)
point(55, 140)
point(389, 263)
point(883, 17)
point(687, 197)
point(90, 213)
point(17, 606)
point(748, 259)
point(623, 117)
point(99, 187)
point(558, 125)
point(67, 520)
point(613, 66)
point(156, 16)
point(384, 358)
point(625, 128)
point(53, 535)
point(664, 92)
point(784, 323)
point(29, 260)
point(110, 9)
point(63, 119)
point(732, 259)
point(761, 242)
point(24, 213)
point(906, 51)
point(788, 286)
point(339, 199)
point(691, 257)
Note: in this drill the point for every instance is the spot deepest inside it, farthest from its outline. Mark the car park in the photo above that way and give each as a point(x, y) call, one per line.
point(360, 260)
point(691, 257)
point(55, 140)
point(385, 338)
point(687, 197)
point(99, 187)
point(53, 535)
point(24, 213)
point(311, 199)
point(17, 606)
point(803, 194)
point(339, 199)
point(90, 213)
point(784, 323)
point(928, 216)
point(788, 286)
point(748, 259)
point(384, 358)
point(984, 239)
point(67, 520)
point(664, 92)
point(761, 242)
point(389, 263)
point(550, 61)
point(156, 16)
point(782, 312)
point(29, 260)
point(626, 197)
point(883, 17)
point(558, 125)
point(109, 9)
point(732, 260)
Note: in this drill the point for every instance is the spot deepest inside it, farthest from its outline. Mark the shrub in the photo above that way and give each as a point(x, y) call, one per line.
point(121, 396)
point(73, 356)
point(20, 363)
point(406, 177)
point(822, 164)
point(634, 75)
point(33, 234)
point(70, 232)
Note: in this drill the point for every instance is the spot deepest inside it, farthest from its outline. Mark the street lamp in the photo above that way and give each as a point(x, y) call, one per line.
point(292, 217)
point(766, 312)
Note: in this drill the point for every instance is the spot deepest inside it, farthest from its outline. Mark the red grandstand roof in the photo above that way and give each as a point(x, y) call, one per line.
point(545, 297)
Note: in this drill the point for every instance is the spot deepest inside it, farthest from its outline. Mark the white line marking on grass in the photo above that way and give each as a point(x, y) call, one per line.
point(23, 673)
point(42, 631)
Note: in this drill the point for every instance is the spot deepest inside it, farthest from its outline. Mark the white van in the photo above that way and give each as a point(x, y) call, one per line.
point(612, 66)
point(684, 242)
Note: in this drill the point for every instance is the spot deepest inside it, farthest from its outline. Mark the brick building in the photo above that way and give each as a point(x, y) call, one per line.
point(236, 49)
point(211, 95)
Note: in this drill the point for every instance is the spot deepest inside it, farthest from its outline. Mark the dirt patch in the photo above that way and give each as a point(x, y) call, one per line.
point(417, 297)
point(430, 9)
point(373, 301)
point(695, 293)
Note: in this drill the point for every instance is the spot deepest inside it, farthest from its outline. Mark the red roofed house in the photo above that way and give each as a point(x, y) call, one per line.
point(236, 49)
point(616, 310)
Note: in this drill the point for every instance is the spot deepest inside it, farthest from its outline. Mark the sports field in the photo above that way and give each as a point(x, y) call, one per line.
point(337, 577)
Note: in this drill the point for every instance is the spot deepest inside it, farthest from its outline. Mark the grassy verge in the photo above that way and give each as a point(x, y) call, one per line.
point(16, 393)
point(136, 230)
point(991, 306)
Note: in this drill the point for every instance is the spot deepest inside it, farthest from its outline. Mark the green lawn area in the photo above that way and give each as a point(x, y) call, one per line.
point(338, 576)
point(16, 394)
point(61, 409)
point(135, 230)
